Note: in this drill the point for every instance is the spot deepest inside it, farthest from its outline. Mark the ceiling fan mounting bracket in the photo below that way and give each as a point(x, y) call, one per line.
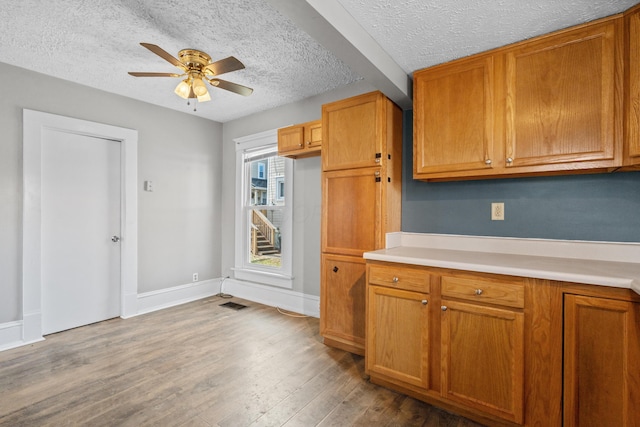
point(193, 58)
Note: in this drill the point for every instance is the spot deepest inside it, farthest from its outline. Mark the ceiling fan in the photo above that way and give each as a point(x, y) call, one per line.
point(196, 67)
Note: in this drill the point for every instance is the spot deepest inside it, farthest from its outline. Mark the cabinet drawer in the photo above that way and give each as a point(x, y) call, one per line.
point(510, 294)
point(399, 277)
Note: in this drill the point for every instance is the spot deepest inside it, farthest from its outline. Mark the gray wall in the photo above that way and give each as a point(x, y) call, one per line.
point(178, 223)
point(603, 207)
point(306, 186)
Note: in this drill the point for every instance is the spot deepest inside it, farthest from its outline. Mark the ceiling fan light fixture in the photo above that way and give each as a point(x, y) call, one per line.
point(183, 89)
point(199, 87)
point(198, 69)
point(204, 98)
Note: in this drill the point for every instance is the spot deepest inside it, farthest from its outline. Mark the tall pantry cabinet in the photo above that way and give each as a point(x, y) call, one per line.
point(361, 202)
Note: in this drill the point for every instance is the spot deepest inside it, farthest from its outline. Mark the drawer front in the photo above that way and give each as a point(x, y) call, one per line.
point(510, 294)
point(399, 277)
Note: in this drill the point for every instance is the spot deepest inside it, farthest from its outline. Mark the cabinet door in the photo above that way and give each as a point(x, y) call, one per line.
point(351, 211)
point(342, 302)
point(482, 358)
point(313, 134)
point(633, 91)
point(398, 335)
point(454, 118)
point(290, 139)
point(563, 102)
point(352, 132)
point(601, 362)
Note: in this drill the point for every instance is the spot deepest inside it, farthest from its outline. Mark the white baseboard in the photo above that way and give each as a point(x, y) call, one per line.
point(11, 335)
point(169, 297)
point(275, 297)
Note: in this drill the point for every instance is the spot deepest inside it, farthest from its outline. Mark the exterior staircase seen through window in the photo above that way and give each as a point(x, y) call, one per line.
point(264, 236)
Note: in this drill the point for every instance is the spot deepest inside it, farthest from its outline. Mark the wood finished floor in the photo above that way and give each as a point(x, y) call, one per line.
point(199, 364)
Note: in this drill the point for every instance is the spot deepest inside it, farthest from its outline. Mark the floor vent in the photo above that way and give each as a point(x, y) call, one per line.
point(233, 305)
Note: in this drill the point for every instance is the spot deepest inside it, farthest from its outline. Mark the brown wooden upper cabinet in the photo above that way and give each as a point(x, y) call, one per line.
point(301, 140)
point(547, 105)
point(355, 131)
point(632, 87)
point(562, 109)
point(454, 114)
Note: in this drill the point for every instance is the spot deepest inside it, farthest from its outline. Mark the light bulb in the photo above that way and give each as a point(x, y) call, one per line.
point(183, 89)
point(198, 87)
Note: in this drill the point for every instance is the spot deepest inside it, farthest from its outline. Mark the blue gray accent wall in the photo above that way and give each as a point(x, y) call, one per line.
point(600, 207)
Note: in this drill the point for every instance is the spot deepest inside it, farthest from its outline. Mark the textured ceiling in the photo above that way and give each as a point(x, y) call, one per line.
point(421, 33)
point(95, 43)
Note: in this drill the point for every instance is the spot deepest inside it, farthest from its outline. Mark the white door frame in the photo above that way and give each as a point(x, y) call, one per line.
point(34, 123)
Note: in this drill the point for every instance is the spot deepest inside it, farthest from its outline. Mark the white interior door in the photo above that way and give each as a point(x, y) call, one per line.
point(80, 217)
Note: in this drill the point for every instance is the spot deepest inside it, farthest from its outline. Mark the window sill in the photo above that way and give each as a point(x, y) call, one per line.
point(263, 277)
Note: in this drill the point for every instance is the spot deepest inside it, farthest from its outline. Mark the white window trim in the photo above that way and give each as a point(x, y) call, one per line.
point(253, 273)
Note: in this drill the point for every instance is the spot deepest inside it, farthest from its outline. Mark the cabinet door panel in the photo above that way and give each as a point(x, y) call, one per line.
point(290, 139)
point(483, 358)
point(342, 303)
point(633, 91)
point(602, 362)
point(314, 134)
point(398, 335)
point(352, 132)
point(454, 118)
point(561, 98)
point(351, 211)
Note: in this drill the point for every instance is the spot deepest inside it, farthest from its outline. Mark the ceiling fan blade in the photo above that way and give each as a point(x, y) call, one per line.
point(231, 87)
point(224, 66)
point(164, 55)
point(145, 74)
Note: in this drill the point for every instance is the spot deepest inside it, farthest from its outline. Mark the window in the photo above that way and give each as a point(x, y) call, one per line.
point(263, 213)
point(280, 188)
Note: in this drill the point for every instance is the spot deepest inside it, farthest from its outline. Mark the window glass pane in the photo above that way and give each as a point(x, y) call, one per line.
point(266, 181)
point(266, 202)
point(265, 237)
point(280, 188)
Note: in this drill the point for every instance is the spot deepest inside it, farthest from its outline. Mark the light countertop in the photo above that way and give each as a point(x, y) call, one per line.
point(560, 268)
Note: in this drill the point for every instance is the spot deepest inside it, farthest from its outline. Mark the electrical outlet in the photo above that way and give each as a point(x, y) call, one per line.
point(195, 277)
point(497, 211)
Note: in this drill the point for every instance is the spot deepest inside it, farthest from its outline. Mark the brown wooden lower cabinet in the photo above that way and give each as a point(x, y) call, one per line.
point(601, 362)
point(398, 334)
point(342, 302)
point(505, 350)
point(483, 358)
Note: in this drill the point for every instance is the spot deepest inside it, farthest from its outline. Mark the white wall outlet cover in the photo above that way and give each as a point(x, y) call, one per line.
point(497, 211)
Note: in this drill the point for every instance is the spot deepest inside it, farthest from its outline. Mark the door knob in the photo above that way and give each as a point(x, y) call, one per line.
point(115, 239)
